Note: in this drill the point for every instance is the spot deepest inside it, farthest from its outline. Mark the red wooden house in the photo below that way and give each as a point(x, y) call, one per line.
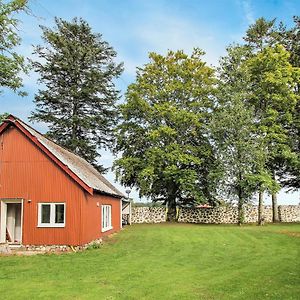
point(50, 196)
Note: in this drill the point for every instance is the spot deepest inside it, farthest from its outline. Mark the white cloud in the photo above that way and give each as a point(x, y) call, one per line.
point(248, 18)
point(247, 10)
point(246, 4)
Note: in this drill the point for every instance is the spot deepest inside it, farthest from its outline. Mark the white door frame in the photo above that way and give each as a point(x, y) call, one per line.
point(3, 215)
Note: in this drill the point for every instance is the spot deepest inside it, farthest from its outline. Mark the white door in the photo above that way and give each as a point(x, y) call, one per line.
point(11, 221)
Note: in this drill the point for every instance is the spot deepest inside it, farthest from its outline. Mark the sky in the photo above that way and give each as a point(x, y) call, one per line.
point(136, 27)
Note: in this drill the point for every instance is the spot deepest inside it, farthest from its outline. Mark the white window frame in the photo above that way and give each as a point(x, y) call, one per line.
point(52, 215)
point(106, 217)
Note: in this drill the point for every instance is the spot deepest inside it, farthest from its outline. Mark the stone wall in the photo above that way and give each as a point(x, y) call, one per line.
point(219, 215)
point(148, 214)
point(222, 215)
point(289, 213)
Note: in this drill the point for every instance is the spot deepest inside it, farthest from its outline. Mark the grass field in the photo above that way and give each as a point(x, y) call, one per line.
point(169, 261)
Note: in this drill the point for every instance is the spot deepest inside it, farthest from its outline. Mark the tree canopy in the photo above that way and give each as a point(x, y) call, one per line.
point(78, 99)
point(12, 64)
point(290, 174)
point(162, 136)
point(238, 146)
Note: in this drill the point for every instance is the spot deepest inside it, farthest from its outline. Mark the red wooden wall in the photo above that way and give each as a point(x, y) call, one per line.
point(92, 210)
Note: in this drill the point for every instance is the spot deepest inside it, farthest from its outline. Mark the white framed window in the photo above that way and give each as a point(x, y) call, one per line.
point(51, 214)
point(106, 218)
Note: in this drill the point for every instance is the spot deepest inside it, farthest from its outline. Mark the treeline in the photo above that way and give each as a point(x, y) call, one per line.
point(186, 132)
point(191, 133)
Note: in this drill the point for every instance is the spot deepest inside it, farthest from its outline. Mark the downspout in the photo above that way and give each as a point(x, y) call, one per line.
point(121, 213)
point(130, 213)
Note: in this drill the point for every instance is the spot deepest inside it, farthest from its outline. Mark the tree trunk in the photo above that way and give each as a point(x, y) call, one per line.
point(241, 202)
point(275, 208)
point(261, 208)
point(171, 214)
point(240, 208)
point(274, 204)
point(240, 214)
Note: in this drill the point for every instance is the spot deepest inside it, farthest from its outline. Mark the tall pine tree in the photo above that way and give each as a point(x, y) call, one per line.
point(77, 69)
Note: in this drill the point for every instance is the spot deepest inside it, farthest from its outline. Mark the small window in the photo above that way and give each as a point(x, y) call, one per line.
point(51, 215)
point(59, 213)
point(106, 218)
point(45, 213)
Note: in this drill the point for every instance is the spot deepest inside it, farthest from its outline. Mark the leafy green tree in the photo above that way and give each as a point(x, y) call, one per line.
point(290, 38)
point(290, 175)
point(11, 63)
point(263, 33)
point(273, 80)
point(162, 138)
point(260, 36)
point(238, 150)
point(238, 147)
point(78, 101)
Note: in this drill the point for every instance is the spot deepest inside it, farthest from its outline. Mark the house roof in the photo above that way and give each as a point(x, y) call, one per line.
point(78, 168)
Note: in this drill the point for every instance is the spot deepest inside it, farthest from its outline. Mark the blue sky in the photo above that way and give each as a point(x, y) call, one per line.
point(136, 27)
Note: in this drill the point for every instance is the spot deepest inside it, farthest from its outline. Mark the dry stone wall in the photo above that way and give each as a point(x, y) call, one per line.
point(218, 215)
point(148, 214)
point(289, 213)
point(222, 215)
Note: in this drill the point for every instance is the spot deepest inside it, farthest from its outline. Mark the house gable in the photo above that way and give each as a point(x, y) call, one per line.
point(19, 155)
point(6, 125)
point(76, 167)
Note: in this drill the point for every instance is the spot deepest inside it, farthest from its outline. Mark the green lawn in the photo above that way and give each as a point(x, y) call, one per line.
point(169, 261)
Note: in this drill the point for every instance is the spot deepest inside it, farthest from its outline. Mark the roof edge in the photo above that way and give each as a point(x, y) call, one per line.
point(108, 194)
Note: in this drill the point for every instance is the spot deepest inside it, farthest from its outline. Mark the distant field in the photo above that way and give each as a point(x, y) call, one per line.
point(168, 261)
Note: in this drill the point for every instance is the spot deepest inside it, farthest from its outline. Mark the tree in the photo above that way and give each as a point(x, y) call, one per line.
point(273, 80)
point(237, 145)
point(78, 70)
point(238, 151)
point(11, 63)
point(260, 37)
point(162, 137)
point(261, 34)
point(290, 174)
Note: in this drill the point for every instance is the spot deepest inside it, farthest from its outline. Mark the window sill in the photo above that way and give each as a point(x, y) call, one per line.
point(106, 229)
point(51, 226)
